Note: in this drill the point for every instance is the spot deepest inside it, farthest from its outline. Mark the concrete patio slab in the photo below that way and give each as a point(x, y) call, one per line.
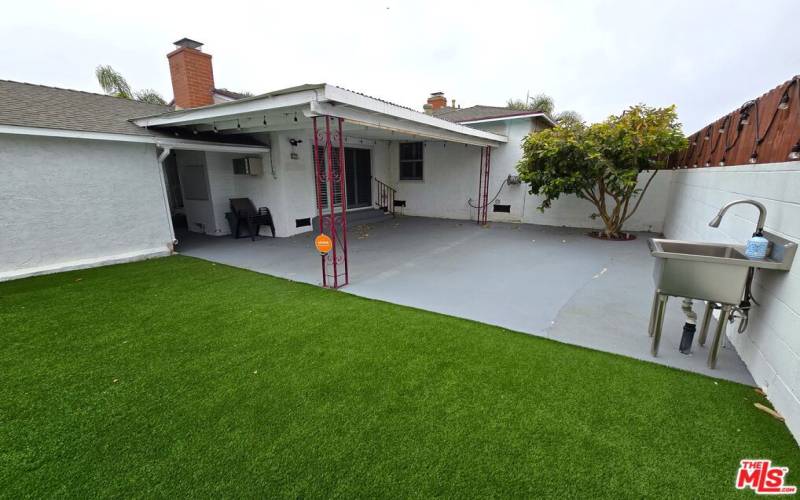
point(546, 281)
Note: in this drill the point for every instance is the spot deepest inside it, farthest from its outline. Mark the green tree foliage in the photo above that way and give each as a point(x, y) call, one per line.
point(601, 163)
point(114, 84)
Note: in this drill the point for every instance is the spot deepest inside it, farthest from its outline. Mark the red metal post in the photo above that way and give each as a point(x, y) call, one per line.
point(488, 157)
point(331, 185)
point(343, 191)
point(480, 189)
point(318, 183)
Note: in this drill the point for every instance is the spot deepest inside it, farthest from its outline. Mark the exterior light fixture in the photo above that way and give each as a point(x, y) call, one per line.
point(722, 129)
point(708, 164)
point(295, 116)
point(722, 162)
point(784, 104)
point(265, 120)
point(214, 125)
point(238, 125)
point(707, 136)
point(753, 158)
point(694, 166)
point(795, 153)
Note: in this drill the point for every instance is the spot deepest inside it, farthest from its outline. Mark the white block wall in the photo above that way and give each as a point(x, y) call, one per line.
point(771, 345)
point(70, 203)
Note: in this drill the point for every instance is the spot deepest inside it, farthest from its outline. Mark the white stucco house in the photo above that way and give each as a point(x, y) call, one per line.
point(89, 179)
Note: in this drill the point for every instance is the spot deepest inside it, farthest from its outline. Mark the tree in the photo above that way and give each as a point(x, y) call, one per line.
point(114, 84)
point(545, 104)
point(601, 162)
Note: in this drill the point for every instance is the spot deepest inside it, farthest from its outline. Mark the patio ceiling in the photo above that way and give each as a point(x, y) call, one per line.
point(292, 109)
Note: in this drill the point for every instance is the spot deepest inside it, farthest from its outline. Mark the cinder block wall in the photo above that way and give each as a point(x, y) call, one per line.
point(771, 345)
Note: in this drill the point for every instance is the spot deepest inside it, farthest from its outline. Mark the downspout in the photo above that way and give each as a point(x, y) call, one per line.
point(165, 152)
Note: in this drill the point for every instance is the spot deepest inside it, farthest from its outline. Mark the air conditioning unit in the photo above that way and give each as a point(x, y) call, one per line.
point(247, 166)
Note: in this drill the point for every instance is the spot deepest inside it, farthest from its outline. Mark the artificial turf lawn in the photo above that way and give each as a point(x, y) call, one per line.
point(178, 377)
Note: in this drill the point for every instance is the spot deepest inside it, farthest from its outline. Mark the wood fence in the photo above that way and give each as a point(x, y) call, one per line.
point(764, 130)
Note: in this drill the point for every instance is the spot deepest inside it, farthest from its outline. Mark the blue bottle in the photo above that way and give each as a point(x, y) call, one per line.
point(756, 247)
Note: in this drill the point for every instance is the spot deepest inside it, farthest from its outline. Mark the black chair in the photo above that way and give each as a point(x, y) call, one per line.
point(243, 214)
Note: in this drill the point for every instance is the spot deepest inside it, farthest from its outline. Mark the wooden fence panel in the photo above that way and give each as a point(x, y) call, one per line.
point(757, 132)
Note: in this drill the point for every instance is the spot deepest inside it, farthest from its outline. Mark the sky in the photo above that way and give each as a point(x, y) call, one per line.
point(597, 58)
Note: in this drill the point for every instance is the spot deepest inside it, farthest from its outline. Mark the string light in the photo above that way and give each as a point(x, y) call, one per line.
point(794, 154)
point(753, 158)
point(784, 104)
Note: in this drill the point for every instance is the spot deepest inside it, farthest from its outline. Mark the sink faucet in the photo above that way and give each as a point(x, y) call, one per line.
point(762, 214)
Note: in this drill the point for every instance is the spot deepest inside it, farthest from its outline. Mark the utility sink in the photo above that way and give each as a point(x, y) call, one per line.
point(714, 272)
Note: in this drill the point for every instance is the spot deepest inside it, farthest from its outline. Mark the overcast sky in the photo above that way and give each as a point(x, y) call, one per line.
point(707, 57)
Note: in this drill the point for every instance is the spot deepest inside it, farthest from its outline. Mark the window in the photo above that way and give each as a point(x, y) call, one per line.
point(410, 161)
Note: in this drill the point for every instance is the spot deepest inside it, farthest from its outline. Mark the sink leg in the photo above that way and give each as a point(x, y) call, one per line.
point(719, 332)
point(659, 322)
point(706, 321)
point(653, 314)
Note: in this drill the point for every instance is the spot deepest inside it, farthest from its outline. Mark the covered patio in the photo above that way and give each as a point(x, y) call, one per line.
point(548, 281)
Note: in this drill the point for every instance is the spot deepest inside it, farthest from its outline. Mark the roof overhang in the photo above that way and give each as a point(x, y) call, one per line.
point(324, 99)
point(541, 116)
point(158, 141)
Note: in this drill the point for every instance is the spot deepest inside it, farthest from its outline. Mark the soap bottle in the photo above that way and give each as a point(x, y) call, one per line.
point(756, 247)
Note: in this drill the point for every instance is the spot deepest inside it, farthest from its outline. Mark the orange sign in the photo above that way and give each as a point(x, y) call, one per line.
point(323, 243)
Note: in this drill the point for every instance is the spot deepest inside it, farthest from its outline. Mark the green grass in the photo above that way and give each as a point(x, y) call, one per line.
point(178, 377)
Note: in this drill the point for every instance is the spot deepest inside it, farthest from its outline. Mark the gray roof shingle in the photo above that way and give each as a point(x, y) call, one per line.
point(29, 105)
point(478, 112)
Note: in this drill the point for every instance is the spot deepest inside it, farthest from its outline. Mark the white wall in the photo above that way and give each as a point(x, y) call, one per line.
point(451, 179)
point(291, 190)
point(69, 203)
point(771, 345)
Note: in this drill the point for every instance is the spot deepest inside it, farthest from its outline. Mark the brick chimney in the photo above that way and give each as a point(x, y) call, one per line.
point(437, 100)
point(192, 75)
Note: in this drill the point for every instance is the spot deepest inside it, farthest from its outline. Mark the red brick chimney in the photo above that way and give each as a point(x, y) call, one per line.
point(192, 75)
point(437, 100)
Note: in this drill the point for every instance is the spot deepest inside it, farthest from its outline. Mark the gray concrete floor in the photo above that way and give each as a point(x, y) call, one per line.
point(546, 281)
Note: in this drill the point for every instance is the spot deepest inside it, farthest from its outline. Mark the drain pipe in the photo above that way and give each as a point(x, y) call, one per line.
point(689, 327)
point(165, 151)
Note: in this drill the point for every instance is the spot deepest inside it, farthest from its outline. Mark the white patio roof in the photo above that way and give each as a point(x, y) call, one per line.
point(292, 108)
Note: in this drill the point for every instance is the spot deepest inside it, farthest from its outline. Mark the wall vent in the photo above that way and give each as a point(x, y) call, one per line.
point(302, 222)
point(502, 208)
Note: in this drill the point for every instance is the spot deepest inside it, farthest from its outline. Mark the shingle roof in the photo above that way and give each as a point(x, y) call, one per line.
point(29, 105)
point(231, 94)
point(478, 112)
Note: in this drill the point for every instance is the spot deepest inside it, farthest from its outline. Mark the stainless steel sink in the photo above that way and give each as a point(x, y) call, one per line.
point(707, 271)
point(712, 271)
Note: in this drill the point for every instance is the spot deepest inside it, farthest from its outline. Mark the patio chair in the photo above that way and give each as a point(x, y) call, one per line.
point(245, 215)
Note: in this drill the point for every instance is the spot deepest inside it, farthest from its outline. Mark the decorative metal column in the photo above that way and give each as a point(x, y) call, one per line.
point(329, 175)
point(483, 185)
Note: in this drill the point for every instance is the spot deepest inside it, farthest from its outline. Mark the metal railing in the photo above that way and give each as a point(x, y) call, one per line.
point(385, 196)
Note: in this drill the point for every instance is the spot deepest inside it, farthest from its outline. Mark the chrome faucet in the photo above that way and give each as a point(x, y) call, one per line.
point(762, 214)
